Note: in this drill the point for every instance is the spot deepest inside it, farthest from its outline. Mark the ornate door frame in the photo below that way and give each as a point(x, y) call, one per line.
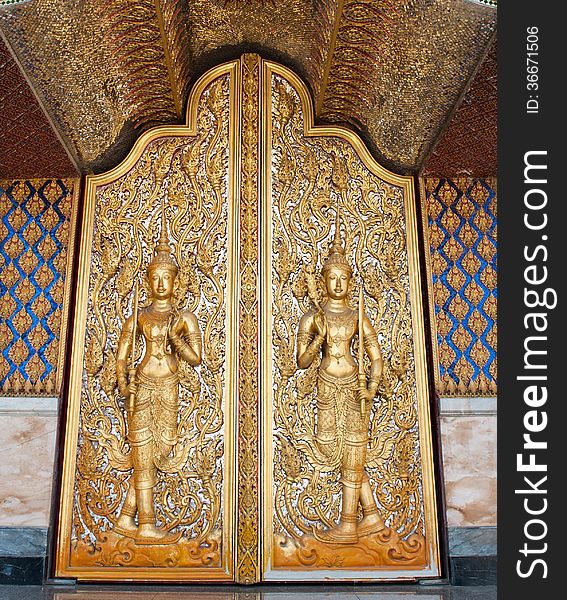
point(245, 540)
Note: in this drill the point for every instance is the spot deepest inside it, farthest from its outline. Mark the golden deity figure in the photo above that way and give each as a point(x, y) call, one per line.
point(151, 391)
point(344, 397)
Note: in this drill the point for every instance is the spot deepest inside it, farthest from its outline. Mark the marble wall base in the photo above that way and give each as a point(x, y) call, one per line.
point(21, 570)
point(27, 449)
point(469, 465)
point(473, 541)
point(23, 541)
point(473, 570)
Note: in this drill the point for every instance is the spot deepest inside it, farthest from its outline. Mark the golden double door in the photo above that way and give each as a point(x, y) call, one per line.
point(237, 464)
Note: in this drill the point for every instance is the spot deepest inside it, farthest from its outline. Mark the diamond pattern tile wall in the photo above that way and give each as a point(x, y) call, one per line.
point(35, 222)
point(461, 223)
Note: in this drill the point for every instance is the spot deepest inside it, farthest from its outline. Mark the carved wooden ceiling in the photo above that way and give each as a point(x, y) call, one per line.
point(103, 71)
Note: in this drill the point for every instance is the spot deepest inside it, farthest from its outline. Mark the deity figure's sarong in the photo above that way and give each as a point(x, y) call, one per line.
point(342, 431)
point(153, 425)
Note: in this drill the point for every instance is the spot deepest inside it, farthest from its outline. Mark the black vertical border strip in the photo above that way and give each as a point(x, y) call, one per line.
point(520, 133)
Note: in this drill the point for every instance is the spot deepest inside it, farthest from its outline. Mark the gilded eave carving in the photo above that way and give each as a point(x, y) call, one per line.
point(108, 70)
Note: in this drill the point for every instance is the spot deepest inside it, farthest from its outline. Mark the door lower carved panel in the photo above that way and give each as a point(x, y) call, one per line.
point(247, 384)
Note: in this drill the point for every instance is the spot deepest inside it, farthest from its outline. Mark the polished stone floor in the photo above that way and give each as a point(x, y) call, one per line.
point(277, 592)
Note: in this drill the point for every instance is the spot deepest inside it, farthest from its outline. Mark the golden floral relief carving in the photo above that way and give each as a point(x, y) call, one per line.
point(248, 514)
point(347, 467)
point(151, 457)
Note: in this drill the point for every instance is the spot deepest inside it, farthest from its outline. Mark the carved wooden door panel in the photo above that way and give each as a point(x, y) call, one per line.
point(177, 189)
point(224, 422)
point(348, 485)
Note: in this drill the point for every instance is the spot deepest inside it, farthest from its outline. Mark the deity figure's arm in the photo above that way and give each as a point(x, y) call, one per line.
point(309, 339)
point(372, 347)
point(186, 338)
point(122, 355)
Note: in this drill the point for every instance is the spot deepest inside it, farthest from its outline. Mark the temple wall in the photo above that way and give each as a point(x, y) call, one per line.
point(35, 236)
point(469, 459)
point(460, 226)
point(27, 448)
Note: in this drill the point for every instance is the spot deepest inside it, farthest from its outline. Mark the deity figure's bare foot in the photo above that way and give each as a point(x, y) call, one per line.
point(344, 533)
point(150, 534)
point(126, 526)
point(371, 523)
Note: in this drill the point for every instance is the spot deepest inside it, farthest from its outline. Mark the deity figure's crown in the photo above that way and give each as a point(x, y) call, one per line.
point(337, 254)
point(163, 256)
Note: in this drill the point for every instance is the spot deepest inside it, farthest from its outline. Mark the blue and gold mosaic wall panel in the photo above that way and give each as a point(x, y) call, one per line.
point(35, 237)
point(461, 230)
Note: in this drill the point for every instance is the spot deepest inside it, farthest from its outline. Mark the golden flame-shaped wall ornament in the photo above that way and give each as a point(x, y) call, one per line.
point(248, 394)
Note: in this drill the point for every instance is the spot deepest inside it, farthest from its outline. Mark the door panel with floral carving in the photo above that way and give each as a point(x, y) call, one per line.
point(348, 482)
point(149, 474)
point(224, 421)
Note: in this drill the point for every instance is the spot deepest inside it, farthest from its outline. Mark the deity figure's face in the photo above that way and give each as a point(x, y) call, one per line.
point(161, 281)
point(336, 281)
